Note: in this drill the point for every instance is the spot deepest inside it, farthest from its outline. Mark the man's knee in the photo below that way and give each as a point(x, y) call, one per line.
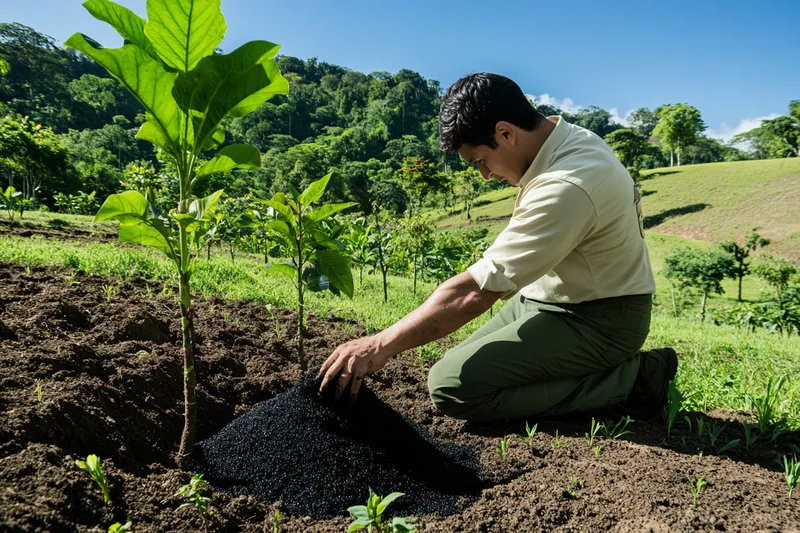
point(447, 392)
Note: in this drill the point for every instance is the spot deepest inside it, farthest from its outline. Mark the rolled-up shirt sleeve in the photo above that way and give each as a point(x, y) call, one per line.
point(550, 221)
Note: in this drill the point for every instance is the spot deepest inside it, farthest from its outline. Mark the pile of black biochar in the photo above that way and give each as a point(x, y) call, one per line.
point(320, 457)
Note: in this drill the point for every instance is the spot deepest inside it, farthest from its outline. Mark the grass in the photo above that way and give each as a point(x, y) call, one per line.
point(49, 219)
point(720, 367)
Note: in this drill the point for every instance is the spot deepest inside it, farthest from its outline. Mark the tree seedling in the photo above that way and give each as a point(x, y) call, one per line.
point(110, 292)
point(95, 469)
point(317, 261)
point(598, 451)
point(675, 401)
point(791, 471)
point(170, 65)
point(502, 448)
point(370, 516)
point(696, 487)
point(196, 493)
point(615, 431)
point(750, 436)
point(594, 429)
point(765, 407)
point(558, 443)
point(121, 528)
point(529, 433)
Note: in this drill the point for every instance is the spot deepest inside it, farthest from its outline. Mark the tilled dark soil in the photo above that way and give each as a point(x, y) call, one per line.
point(110, 376)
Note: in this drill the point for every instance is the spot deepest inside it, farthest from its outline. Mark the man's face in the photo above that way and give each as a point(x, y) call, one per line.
point(494, 163)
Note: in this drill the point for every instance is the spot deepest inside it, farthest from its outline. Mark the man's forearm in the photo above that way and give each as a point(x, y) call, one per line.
point(454, 303)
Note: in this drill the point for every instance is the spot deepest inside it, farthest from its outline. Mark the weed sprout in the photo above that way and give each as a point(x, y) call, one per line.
point(95, 469)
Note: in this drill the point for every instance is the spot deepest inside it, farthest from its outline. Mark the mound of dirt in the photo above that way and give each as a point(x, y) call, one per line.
point(320, 457)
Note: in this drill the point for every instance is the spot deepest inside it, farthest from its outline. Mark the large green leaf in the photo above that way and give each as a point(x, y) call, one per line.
point(122, 205)
point(315, 191)
point(127, 23)
point(387, 500)
point(336, 268)
point(146, 234)
point(285, 269)
point(184, 31)
point(198, 208)
point(323, 212)
point(234, 84)
point(281, 227)
point(281, 208)
point(149, 82)
point(235, 156)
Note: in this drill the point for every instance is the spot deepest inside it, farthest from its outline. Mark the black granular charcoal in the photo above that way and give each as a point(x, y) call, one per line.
point(319, 456)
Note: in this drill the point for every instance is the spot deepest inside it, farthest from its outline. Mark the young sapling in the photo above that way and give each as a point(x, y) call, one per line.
point(594, 429)
point(502, 448)
point(196, 492)
point(696, 487)
point(791, 471)
point(371, 515)
point(615, 431)
point(529, 433)
point(95, 469)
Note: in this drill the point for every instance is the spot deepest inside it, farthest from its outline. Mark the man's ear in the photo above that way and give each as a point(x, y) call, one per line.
point(507, 131)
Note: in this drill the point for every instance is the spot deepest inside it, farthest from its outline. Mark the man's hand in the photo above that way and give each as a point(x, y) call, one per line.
point(355, 360)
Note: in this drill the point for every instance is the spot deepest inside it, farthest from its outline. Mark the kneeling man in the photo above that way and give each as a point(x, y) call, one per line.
point(572, 264)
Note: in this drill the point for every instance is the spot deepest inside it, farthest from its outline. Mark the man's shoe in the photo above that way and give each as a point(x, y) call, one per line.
point(649, 394)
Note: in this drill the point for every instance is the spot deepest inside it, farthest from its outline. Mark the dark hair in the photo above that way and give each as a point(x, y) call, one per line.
point(474, 105)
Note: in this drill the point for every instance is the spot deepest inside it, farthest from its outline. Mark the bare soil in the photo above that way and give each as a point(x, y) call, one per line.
point(110, 376)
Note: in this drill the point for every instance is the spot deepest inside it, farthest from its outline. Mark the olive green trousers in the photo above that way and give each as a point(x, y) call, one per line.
point(543, 359)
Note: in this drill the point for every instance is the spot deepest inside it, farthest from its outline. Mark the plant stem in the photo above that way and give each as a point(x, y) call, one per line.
point(301, 355)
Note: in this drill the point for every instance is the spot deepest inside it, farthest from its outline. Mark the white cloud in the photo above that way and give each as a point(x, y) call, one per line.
point(568, 105)
point(726, 133)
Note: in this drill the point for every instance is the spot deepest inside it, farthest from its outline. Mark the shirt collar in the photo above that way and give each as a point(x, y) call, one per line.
point(543, 159)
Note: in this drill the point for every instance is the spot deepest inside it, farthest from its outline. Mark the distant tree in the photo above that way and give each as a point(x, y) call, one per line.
point(787, 129)
point(595, 119)
point(741, 254)
point(643, 121)
point(778, 273)
point(419, 177)
point(699, 270)
point(764, 144)
point(467, 186)
point(678, 127)
point(628, 145)
point(707, 150)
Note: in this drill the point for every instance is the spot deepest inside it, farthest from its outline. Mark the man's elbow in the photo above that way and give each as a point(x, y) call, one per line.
point(472, 299)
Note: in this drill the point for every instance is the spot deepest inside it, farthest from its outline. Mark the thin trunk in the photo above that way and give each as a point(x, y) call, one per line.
point(674, 303)
point(361, 275)
point(189, 375)
point(469, 208)
point(671, 157)
point(230, 247)
point(415, 273)
point(385, 290)
point(740, 287)
point(208, 254)
point(301, 354)
point(703, 307)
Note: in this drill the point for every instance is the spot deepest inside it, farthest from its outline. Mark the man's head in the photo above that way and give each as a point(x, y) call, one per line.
point(485, 118)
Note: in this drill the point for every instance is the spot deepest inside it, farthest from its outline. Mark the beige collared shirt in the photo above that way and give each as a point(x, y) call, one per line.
point(575, 234)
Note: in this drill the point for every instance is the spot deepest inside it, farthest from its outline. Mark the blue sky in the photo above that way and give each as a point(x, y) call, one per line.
point(736, 61)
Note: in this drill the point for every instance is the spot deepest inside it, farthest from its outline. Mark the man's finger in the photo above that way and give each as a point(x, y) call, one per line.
point(328, 362)
point(341, 384)
point(333, 370)
point(355, 385)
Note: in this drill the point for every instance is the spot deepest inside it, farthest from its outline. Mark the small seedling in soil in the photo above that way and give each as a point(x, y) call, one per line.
point(701, 426)
point(594, 429)
point(696, 486)
point(274, 315)
point(196, 492)
point(598, 451)
point(571, 492)
point(750, 437)
point(529, 433)
point(110, 292)
point(38, 391)
point(615, 431)
point(791, 470)
point(714, 432)
point(558, 443)
point(675, 401)
point(765, 407)
point(276, 522)
point(121, 528)
point(371, 516)
point(729, 446)
point(95, 469)
point(502, 449)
